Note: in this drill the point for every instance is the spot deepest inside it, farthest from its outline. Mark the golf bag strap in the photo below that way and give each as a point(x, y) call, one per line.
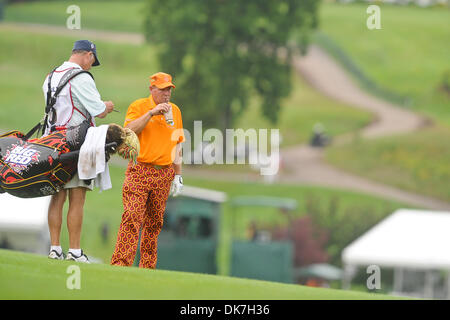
point(33, 130)
point(51, 100)
point(49, 87)
point(69, 75)
point(41, 124)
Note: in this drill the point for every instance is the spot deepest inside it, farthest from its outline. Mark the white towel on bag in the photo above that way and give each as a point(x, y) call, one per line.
point(91, 162)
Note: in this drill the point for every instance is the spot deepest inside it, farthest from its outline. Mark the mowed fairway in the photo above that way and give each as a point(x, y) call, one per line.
point(28, 276)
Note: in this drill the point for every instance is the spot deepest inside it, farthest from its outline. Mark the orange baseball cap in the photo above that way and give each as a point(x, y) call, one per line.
point(161, 80)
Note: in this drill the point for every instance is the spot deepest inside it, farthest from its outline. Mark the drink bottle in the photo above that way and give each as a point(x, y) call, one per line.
point(169, 116)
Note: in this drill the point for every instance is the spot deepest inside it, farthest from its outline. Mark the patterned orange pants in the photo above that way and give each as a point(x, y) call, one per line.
point(144, 195)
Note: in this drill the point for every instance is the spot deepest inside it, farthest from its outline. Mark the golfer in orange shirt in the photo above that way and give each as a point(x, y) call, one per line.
point(156, 174)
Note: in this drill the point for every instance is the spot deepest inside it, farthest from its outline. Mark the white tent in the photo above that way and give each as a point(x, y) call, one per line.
point(23, 223)
point(407, 240)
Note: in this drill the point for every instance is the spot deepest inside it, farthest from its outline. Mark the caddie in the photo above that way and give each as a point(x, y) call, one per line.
point(157, 173)
point(78, 101)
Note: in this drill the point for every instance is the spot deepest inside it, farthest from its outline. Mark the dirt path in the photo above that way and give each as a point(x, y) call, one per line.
point(302, 164)
point(109, 36)
point(324, 74)
point(305, 164)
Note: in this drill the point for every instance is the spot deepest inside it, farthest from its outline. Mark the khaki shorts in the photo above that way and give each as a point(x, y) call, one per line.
point(75, 182)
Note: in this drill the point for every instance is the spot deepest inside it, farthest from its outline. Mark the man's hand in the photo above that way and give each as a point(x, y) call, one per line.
point(139, 124)
point(160, 109)
point(109, 108)
point(177, 186)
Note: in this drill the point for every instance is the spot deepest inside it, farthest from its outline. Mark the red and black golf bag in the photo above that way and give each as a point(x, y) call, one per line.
point(39, 167)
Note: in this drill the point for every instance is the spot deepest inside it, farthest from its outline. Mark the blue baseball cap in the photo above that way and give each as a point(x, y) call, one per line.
point(86, 45)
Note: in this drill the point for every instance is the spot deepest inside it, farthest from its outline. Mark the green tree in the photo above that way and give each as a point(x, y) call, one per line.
point(221, 52)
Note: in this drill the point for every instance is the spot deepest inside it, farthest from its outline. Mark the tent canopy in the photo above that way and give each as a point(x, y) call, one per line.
point(407, 239)
point(23, 214)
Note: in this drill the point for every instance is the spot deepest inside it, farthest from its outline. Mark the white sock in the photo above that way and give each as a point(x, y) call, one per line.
point(58, 249)
point(76, 252)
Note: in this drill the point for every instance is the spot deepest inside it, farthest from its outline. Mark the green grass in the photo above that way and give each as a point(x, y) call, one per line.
point(104, 15)
point(28, 276)
point(409, 55)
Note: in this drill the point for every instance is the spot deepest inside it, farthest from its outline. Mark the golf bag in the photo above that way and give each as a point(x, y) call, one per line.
point(31, 168)
point(39, 167)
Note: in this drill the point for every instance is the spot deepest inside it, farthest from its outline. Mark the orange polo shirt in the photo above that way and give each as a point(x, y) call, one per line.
point(158, 139)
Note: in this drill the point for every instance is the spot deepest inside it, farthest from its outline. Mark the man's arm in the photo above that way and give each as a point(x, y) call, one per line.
point(139, 124)
point(177, 183)
point(178, 157)
point(84, 90)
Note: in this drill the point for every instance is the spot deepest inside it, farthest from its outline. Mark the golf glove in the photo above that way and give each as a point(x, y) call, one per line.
point(177, 185)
